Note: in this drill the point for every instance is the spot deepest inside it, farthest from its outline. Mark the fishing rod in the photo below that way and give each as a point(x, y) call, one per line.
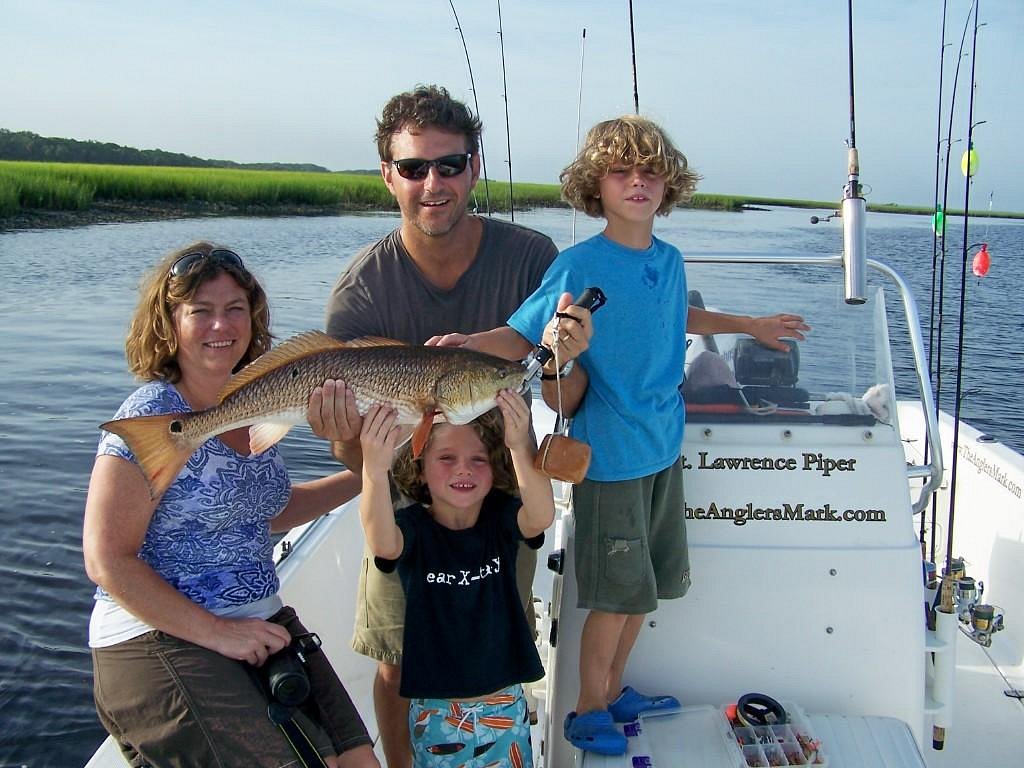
point(968, 174)
point(476, 105)
point(632, 45)
point(938, 220)
point(508, 132)
point(853, 206)
point(579, 111)
point(940, 316)
point(938, 217)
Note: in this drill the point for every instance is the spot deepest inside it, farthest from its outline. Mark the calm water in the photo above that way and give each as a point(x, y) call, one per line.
point(64, 305)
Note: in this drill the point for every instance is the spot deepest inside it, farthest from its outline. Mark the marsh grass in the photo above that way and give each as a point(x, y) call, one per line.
point(73, 186)
point(27, 187)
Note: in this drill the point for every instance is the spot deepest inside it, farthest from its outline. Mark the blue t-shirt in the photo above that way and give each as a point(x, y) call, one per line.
point(209, 536)
point(632, 414)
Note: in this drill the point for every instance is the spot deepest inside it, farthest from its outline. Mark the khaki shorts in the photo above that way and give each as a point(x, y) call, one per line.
point(380, 606)
point(631, 542)
point(169, 702)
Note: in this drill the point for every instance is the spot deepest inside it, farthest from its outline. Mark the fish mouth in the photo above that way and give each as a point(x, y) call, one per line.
point(517, 377)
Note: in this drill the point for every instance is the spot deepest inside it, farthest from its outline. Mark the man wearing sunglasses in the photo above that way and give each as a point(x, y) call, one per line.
point(442, 270)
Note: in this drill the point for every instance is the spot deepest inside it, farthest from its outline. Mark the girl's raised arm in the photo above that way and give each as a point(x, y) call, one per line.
point(538, 510)
point(378, 437)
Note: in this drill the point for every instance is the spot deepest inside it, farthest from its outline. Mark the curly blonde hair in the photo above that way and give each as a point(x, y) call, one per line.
point(626, 141)
point(152, 343)
point(490, 428)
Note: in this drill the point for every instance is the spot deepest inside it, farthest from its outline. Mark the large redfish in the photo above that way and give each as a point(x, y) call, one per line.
point(272, 392)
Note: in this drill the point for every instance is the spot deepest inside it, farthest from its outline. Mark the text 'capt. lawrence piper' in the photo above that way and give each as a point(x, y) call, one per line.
point(808, 462)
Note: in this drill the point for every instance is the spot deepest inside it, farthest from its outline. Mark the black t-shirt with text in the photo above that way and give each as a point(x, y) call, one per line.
point(465, 631)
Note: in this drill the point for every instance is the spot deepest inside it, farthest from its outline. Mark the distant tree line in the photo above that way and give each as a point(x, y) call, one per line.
point(25, 145)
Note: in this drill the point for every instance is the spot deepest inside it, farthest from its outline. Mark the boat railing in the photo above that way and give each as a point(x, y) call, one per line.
point(931, 472)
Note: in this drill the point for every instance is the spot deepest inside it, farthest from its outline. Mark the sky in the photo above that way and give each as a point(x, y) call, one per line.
point(755, 94)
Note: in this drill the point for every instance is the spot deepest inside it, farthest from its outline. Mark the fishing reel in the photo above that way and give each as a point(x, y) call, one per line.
point(591, 299)
point(983, 620)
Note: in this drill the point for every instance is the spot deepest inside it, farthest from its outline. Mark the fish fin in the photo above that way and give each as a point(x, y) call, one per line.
point(295, 348)
point(374, 341)
point(158, 446)
point(405, 433)
point(267, 434)
point(422, 434)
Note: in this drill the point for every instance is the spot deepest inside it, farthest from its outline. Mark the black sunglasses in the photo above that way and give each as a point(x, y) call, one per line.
point(417, 169)
point(221, 256)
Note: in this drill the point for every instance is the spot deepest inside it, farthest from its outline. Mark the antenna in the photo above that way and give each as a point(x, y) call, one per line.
point(854, 210)
point(579, 110)
point(476, 105)
point(632, 43)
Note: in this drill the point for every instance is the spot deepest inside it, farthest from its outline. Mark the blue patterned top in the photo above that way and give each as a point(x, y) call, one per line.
point(209, 536)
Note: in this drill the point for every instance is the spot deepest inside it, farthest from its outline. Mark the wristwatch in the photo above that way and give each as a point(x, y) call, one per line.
point(565, 371)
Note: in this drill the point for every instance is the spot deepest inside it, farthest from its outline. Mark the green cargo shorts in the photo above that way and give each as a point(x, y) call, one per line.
point(630, 544)
point(380, 606)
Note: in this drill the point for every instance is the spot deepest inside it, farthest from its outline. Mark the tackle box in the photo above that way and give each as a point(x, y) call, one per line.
point(791, 743)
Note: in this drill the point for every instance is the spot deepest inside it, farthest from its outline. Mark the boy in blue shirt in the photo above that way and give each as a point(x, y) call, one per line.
point(624, 396)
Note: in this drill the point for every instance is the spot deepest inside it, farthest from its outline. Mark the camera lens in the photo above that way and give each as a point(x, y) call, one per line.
point(287, 678)
point(290, 689)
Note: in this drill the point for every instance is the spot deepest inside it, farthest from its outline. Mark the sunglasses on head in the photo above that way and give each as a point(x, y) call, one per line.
point(415, 168)
point(220, 256)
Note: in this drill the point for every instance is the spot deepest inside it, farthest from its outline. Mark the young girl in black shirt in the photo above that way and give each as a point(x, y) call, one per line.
point(467, 644)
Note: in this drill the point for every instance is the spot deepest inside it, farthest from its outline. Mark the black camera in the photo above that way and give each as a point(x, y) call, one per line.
point(285, 671)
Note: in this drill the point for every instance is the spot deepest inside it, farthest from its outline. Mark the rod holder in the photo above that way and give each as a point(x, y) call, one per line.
point(944, 672)
point(855, 251)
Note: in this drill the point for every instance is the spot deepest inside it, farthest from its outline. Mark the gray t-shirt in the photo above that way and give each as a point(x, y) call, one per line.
point(383, 293)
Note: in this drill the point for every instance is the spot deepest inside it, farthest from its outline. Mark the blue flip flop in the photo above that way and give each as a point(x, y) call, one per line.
point(594, 732)
point(630, 704)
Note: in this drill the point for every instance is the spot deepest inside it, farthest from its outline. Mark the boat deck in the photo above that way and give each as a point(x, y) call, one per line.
point(690, 739)
point(987, 724)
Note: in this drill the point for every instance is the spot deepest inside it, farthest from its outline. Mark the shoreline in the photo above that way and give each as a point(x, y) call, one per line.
point(124, 213)
point(110, 212)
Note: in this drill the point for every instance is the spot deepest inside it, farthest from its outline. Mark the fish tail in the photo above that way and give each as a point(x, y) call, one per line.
point(159, 445)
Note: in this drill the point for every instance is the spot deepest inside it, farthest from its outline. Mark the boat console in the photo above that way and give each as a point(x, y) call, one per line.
point(805, 562)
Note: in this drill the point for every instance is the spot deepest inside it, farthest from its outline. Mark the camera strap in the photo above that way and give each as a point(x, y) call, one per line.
point(284, 718)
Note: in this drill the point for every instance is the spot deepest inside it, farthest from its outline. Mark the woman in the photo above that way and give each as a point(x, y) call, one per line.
point(187, 604)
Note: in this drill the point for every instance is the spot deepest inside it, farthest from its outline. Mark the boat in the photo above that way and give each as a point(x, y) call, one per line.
point(803, 502)
point(828, 587)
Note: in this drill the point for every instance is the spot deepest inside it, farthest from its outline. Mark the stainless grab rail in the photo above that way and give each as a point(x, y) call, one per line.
point(933, 469)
